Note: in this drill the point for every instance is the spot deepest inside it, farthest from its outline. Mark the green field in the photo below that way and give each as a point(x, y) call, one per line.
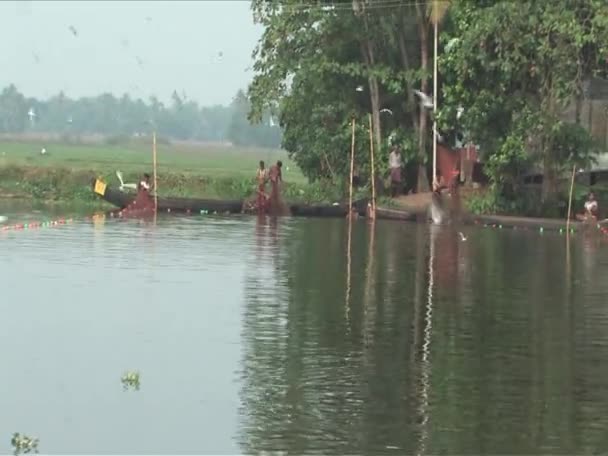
point(198, 160)
point(65, 172)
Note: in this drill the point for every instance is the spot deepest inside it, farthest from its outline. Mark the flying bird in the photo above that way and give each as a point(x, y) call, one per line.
point(359, 89)
point(388, 111)
point(459, 112)
point(425, 100)
point(36, 58)
point(462, 236)
point(140, 62)
point(73, 30)
point(451, 44)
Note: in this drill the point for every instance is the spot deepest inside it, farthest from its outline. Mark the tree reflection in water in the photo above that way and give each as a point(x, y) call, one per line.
point(502, 356)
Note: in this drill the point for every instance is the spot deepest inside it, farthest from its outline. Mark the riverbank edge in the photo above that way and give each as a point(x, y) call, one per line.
point(67, 186)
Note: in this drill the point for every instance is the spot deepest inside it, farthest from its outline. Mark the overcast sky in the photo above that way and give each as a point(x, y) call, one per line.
point(202, 48)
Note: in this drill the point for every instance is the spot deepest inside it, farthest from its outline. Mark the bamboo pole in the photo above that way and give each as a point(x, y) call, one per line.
point(155, 174)
point(435, 103)
point(352, 170)
point(372, 213)
point(570, 200)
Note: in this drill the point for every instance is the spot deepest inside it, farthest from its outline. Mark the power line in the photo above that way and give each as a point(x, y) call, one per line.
point(332, 7)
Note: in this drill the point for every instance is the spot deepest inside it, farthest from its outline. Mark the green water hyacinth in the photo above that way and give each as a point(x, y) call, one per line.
point(22, 444)
point(130, 380)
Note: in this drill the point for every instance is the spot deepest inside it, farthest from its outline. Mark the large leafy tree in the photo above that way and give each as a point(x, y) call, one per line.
point(516, 66)
point(323, 65)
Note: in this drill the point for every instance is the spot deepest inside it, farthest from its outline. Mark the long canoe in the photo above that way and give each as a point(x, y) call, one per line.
point(531, 222)
point(122, 200)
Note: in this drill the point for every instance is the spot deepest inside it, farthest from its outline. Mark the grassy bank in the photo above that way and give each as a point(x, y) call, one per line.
point(64, 173)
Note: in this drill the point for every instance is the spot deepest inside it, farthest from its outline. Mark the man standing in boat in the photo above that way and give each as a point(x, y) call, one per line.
point(144, 199)
point(144, 184)
point(262, 177)
point(276, 179)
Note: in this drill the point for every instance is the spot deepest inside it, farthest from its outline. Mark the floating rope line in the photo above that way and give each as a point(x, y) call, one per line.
point(36, 225)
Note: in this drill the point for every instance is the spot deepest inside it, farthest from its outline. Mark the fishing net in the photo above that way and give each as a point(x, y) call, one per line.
point(448, 162)
point(142, 204)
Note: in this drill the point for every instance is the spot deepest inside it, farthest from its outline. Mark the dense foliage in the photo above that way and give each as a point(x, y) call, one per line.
point(516, 67)
point(322, 66)
point(110, 116)
point(513, 66)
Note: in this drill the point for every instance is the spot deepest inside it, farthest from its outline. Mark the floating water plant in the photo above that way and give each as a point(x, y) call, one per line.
point(22, 444)
point(130, 380)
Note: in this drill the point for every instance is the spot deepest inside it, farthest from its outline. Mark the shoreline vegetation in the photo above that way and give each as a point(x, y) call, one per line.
point(62, 176)
point(60, 179)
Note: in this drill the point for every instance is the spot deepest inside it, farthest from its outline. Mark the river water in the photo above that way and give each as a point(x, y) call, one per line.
point(256, 335)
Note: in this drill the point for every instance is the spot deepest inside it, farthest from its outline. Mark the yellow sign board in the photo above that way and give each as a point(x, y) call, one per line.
point(100, 187)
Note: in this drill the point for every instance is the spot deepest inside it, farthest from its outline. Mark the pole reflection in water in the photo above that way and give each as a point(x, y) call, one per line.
point(425, 363)
point(348, 270)
point(368, 307)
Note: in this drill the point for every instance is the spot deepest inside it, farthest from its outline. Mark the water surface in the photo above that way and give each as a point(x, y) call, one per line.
point(262, 335)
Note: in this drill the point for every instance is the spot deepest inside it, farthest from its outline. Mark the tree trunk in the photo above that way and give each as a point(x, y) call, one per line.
point(549, 178)
point(367, 50)
point(423, 180)
point(375, 99)
point(405, 61)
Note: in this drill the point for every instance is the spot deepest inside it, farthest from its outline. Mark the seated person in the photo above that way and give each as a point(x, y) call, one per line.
point(591, 209)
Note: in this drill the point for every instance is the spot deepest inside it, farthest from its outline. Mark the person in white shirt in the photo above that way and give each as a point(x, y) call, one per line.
point(395, 163)
point(591, 209)
point(144, 184)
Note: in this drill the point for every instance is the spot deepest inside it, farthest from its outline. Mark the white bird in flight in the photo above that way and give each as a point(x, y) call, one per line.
point(462, 236)
point(459, 112)
point(122, 183)
point(425, 100)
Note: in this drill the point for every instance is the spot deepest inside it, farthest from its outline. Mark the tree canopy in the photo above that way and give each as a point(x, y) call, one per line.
point(513, 66)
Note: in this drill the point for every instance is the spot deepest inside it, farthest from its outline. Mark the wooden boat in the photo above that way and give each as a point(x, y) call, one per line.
point(532, 223)
point(123, 201)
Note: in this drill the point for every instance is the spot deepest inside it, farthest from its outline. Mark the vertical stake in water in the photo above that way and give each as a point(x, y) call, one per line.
point(373, 170)
point(155, 175)
point(436, 24)
point(352, 170)
point(570, 201)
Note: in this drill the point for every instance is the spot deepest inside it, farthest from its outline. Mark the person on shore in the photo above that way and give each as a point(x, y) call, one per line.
point(262, 178)
point(591, 209)
point(395, 163)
